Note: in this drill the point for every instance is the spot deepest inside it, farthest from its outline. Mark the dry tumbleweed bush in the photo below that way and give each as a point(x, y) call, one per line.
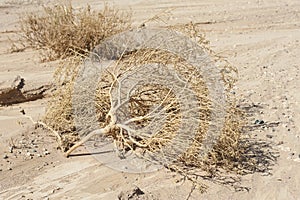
point(61, 31)
point(148, 105)
point(152, 112)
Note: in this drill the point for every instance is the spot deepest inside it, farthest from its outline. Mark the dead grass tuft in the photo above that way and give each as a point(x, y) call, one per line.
point(61, 31)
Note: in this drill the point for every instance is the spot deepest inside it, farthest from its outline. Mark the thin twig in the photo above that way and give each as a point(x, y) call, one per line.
point(57, 135)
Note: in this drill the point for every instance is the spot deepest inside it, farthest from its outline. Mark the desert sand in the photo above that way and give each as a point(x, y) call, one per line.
point(260, 37)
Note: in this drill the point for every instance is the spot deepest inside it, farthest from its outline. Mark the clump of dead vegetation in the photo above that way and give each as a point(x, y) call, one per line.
point(72, 34)
point(61, 31)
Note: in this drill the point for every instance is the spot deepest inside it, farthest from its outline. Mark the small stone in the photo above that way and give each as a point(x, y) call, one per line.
point(9, 168)
point(5, 156)
point(259, 121)
point(46, 153)
point(29, 154)
point(38, 155)
point(22, 111)
point(269, 136)
point(280, 142)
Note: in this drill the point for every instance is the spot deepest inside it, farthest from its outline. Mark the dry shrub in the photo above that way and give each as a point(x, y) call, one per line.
point(225, 154)
point(61, 31)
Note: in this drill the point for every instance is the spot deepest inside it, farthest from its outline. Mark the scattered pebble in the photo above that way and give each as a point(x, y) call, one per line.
point(5, 156)
point(46, 153)
point(258, 121)
point(38, 155)
point(292, 154)
point(22, 111)
point(9, 168)
point(269, 136)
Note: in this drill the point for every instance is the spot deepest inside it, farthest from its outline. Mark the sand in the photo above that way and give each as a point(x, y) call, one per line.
point(261, 38)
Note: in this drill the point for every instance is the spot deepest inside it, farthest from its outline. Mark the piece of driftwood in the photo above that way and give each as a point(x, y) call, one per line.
point(16, 93)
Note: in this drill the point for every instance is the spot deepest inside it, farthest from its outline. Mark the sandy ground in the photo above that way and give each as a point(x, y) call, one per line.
point(261, 38)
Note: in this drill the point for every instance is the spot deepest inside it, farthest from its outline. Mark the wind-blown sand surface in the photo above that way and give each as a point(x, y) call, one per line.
point(261, 38)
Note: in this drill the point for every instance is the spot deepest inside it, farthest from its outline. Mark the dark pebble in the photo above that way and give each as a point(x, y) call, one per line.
point(269, 136)
point(259, 121)
point(22, 111)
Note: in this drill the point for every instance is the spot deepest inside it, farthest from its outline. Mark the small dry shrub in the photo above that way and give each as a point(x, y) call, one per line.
point(61, 31)
point(69, 33)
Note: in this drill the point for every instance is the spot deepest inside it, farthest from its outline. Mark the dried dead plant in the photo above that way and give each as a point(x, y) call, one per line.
point(140, 113)
point(61, 31)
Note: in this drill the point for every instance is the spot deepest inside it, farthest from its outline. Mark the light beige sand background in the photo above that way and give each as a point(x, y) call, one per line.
point(260, 37)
